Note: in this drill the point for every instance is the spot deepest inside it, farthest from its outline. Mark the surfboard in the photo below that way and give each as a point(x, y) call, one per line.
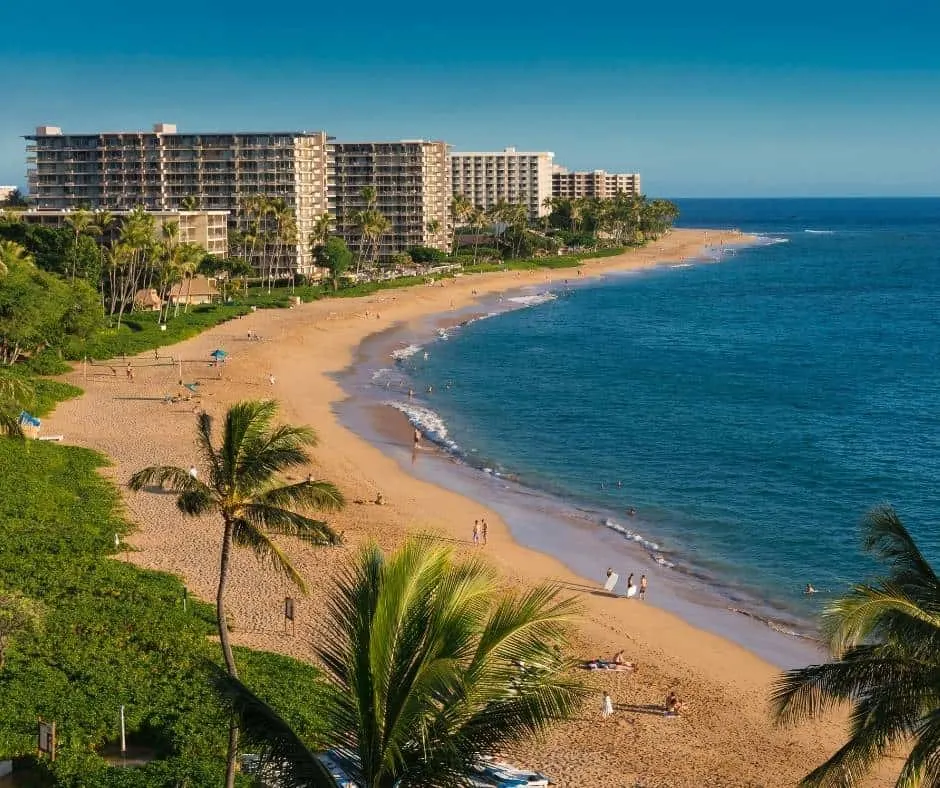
point(611, 582)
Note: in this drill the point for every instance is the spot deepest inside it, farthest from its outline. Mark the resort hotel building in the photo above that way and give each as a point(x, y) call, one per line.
point(208, 229)
point(413, 191)
point(599, 184)
point(510, 175)
point(164, 170)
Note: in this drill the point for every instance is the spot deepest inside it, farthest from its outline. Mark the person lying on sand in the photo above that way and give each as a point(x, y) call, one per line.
point(673, 705)
point(602, 664)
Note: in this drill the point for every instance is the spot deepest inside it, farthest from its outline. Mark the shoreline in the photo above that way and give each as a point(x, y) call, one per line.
point(572, 528)
point(726, 737)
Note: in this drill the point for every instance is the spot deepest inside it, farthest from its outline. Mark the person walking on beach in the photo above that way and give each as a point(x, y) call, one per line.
point(271, 379)
point(643, 584)
point(193, 472)
point(476, 532)
point(130, 373)
point(607, 706)
point(631, 589)
point(483, 530)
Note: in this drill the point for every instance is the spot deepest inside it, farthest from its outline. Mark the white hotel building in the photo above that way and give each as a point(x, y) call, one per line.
point(510, 175)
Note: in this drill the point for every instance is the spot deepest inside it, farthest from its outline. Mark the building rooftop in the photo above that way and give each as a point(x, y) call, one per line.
point(504, 152)
point(166, 130)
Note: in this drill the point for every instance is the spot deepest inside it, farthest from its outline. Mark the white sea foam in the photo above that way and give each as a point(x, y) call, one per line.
point(431, 425)
point(767, 240)
point(406, 352)
point(820, 232)
point(380, 375)
point(681, 265)
point(651, 547)
point(533, 300)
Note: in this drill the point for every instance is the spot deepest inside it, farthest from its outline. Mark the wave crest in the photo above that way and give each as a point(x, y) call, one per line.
point(634, 536)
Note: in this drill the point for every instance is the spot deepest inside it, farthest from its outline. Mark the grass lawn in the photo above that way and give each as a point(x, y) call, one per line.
point(112, 635)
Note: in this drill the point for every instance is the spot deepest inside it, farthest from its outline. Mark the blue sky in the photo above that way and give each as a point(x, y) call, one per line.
point(704, 99)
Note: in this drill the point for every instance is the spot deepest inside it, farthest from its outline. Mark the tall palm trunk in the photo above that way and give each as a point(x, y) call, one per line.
point(227, 654)
point(220, 600)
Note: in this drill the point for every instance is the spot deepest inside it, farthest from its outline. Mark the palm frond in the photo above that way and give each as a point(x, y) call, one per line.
point(423, 650)
point(207, 451)
point(316, 494)
point(284, 522)
point(922, 767)
point(852, 618)
point(862, 671)
point(282, 753)
point(887, 538)
point(245, 534)
point(886, 640)
point(272, 452)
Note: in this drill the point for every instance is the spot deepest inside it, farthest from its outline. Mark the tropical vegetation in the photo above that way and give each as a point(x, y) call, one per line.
point(432, 664)
point(885, 642)
point(242, 488)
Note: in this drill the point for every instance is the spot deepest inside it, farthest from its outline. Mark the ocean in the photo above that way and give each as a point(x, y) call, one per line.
point(750, 407)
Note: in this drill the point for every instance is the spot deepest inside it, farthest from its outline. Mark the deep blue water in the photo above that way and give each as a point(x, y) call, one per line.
point(752, 410)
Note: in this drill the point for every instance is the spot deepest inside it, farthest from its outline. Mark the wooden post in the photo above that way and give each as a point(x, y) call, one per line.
point(289, 616)
point(85, 370)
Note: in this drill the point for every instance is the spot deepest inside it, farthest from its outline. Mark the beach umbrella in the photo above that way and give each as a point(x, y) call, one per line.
point(218, 354)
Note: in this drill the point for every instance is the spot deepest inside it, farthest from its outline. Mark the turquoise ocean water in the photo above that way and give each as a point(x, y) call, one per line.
point(751, 410)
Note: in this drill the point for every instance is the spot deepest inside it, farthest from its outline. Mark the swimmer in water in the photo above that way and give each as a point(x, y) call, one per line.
point(809, 589)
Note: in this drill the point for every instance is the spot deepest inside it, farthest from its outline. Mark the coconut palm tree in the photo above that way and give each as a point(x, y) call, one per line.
point(81, 222)
point(885, 642)
point(461, 208)
point(320, 234)
point(242, 488)
point(434, 662)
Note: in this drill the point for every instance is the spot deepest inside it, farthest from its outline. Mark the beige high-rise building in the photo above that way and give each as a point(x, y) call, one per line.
point(412, 186)
point(208, 229)
point(509, 175)
point(164, 170)
point(599, 184)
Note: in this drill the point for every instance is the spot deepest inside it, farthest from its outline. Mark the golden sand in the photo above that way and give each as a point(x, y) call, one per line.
point(723, 738)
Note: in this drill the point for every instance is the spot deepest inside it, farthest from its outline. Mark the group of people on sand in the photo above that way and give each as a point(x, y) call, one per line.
point(632, 590)
point(479, 531)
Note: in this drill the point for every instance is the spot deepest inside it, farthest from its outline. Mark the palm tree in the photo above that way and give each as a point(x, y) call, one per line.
point(189, 203)
point(81, 222)
point(188, 256)
point(320, 234)
point(885, 642)
point(241, 487)
point(461, 209)
point(434, 663)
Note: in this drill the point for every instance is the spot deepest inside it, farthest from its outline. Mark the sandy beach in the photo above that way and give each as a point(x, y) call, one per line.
point(724, 738)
